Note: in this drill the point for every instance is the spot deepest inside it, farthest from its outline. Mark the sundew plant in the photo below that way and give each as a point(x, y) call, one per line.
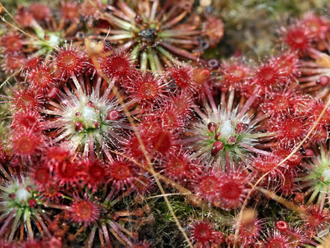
point(123, 124)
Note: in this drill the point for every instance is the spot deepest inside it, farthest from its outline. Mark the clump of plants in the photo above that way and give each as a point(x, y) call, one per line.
point(116, 130)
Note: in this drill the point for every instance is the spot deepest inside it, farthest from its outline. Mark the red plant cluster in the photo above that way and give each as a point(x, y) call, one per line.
point(104, 127)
